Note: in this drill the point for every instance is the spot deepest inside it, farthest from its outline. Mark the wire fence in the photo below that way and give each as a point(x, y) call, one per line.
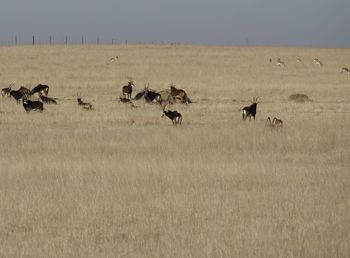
point(17, 40)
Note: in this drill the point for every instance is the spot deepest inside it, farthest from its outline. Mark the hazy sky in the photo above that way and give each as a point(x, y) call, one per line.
point(324, 23)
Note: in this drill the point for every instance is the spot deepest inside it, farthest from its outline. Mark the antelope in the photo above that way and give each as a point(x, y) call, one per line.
point(113, 59)
point(47, 100)
point(6, 91)
point(179, 94)
point(127, 89)
point(317, 62)
point(25, 91)
point(250, 111)
point(44, 89)
point(298, 60)
point(84, 105)
point(17, 95)
point(152, 96)
point(280, 63)
point(276, 123)
point(32, 105)
point(345, 70)
point(174, 116)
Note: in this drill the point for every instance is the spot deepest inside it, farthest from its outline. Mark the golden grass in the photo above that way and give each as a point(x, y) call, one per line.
point(122, 182)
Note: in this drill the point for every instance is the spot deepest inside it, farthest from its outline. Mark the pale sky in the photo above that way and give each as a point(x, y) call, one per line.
point(316, 23)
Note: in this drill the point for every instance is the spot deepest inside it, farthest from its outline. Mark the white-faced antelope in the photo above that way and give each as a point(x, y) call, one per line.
point(345, 70)
point(127, 89)
point(43, 89)
point(32, 105)
point(5, 92)
point(275, 123)
point(83, 105)
point(174, 116)
point(250, 111)
point(317, 62)
point(280, 63)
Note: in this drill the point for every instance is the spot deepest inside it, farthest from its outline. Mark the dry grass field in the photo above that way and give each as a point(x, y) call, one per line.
point(123, 182)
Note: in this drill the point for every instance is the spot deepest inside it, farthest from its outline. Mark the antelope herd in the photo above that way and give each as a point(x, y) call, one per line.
point(162, 98)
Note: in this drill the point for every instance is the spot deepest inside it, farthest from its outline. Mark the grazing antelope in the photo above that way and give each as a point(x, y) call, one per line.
point(276, 123)
point(127, 89)
point(179, 94)
point(47, 100)
point(317, 62)
point(44, 89)
point(32, 105)
point(250, 111)
point(345, 70)
point(174, 116)
point(84, 105)
point(298, 60)
point(6, 91)
point(280, 63)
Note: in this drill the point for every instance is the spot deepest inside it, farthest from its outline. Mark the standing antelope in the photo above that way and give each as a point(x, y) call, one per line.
point(280, 63)
point(174, 116)
point(317, 62)
point(127, 89)
point(345, 70)
point(44, 89)
point(250, 111)
point(298, 60)
point(6, 91)
point(152, 96)
point(276, 123)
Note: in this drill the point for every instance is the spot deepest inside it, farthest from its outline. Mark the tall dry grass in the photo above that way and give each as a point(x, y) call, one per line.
point(122, 182)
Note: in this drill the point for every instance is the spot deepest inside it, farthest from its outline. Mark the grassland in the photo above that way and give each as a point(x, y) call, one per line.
point(122, 182)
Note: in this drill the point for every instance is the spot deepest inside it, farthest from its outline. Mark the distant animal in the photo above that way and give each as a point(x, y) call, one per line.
point(298, 59)
point(127, 89)
point(17, 95)
point(44, 89)
point(47, 100)
point(5, 92)
point(32, 105)
point(250, 111)
point(84, 105)
point(25, 91)
point(345, 70)
point(275, 123)
point(113, 59)
point(280, 63)
point(179, 94)
point(174, 116)
point(152, 96)
point(317, 62)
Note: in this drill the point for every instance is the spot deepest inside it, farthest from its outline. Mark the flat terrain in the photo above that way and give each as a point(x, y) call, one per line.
point(123, 182)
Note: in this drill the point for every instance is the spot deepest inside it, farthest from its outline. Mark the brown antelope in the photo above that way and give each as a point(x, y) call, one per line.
point(174, 116)
point(179, 94)
point(280, 63)
point(298, 60)
point(250, 111)
point(345, 70)
point(6, 91)
point(276, 123)
point(84, 105)
point(317, 62)
point(127, 89)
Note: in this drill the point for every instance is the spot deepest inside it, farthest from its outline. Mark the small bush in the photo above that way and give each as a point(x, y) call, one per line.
point(299, 98)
